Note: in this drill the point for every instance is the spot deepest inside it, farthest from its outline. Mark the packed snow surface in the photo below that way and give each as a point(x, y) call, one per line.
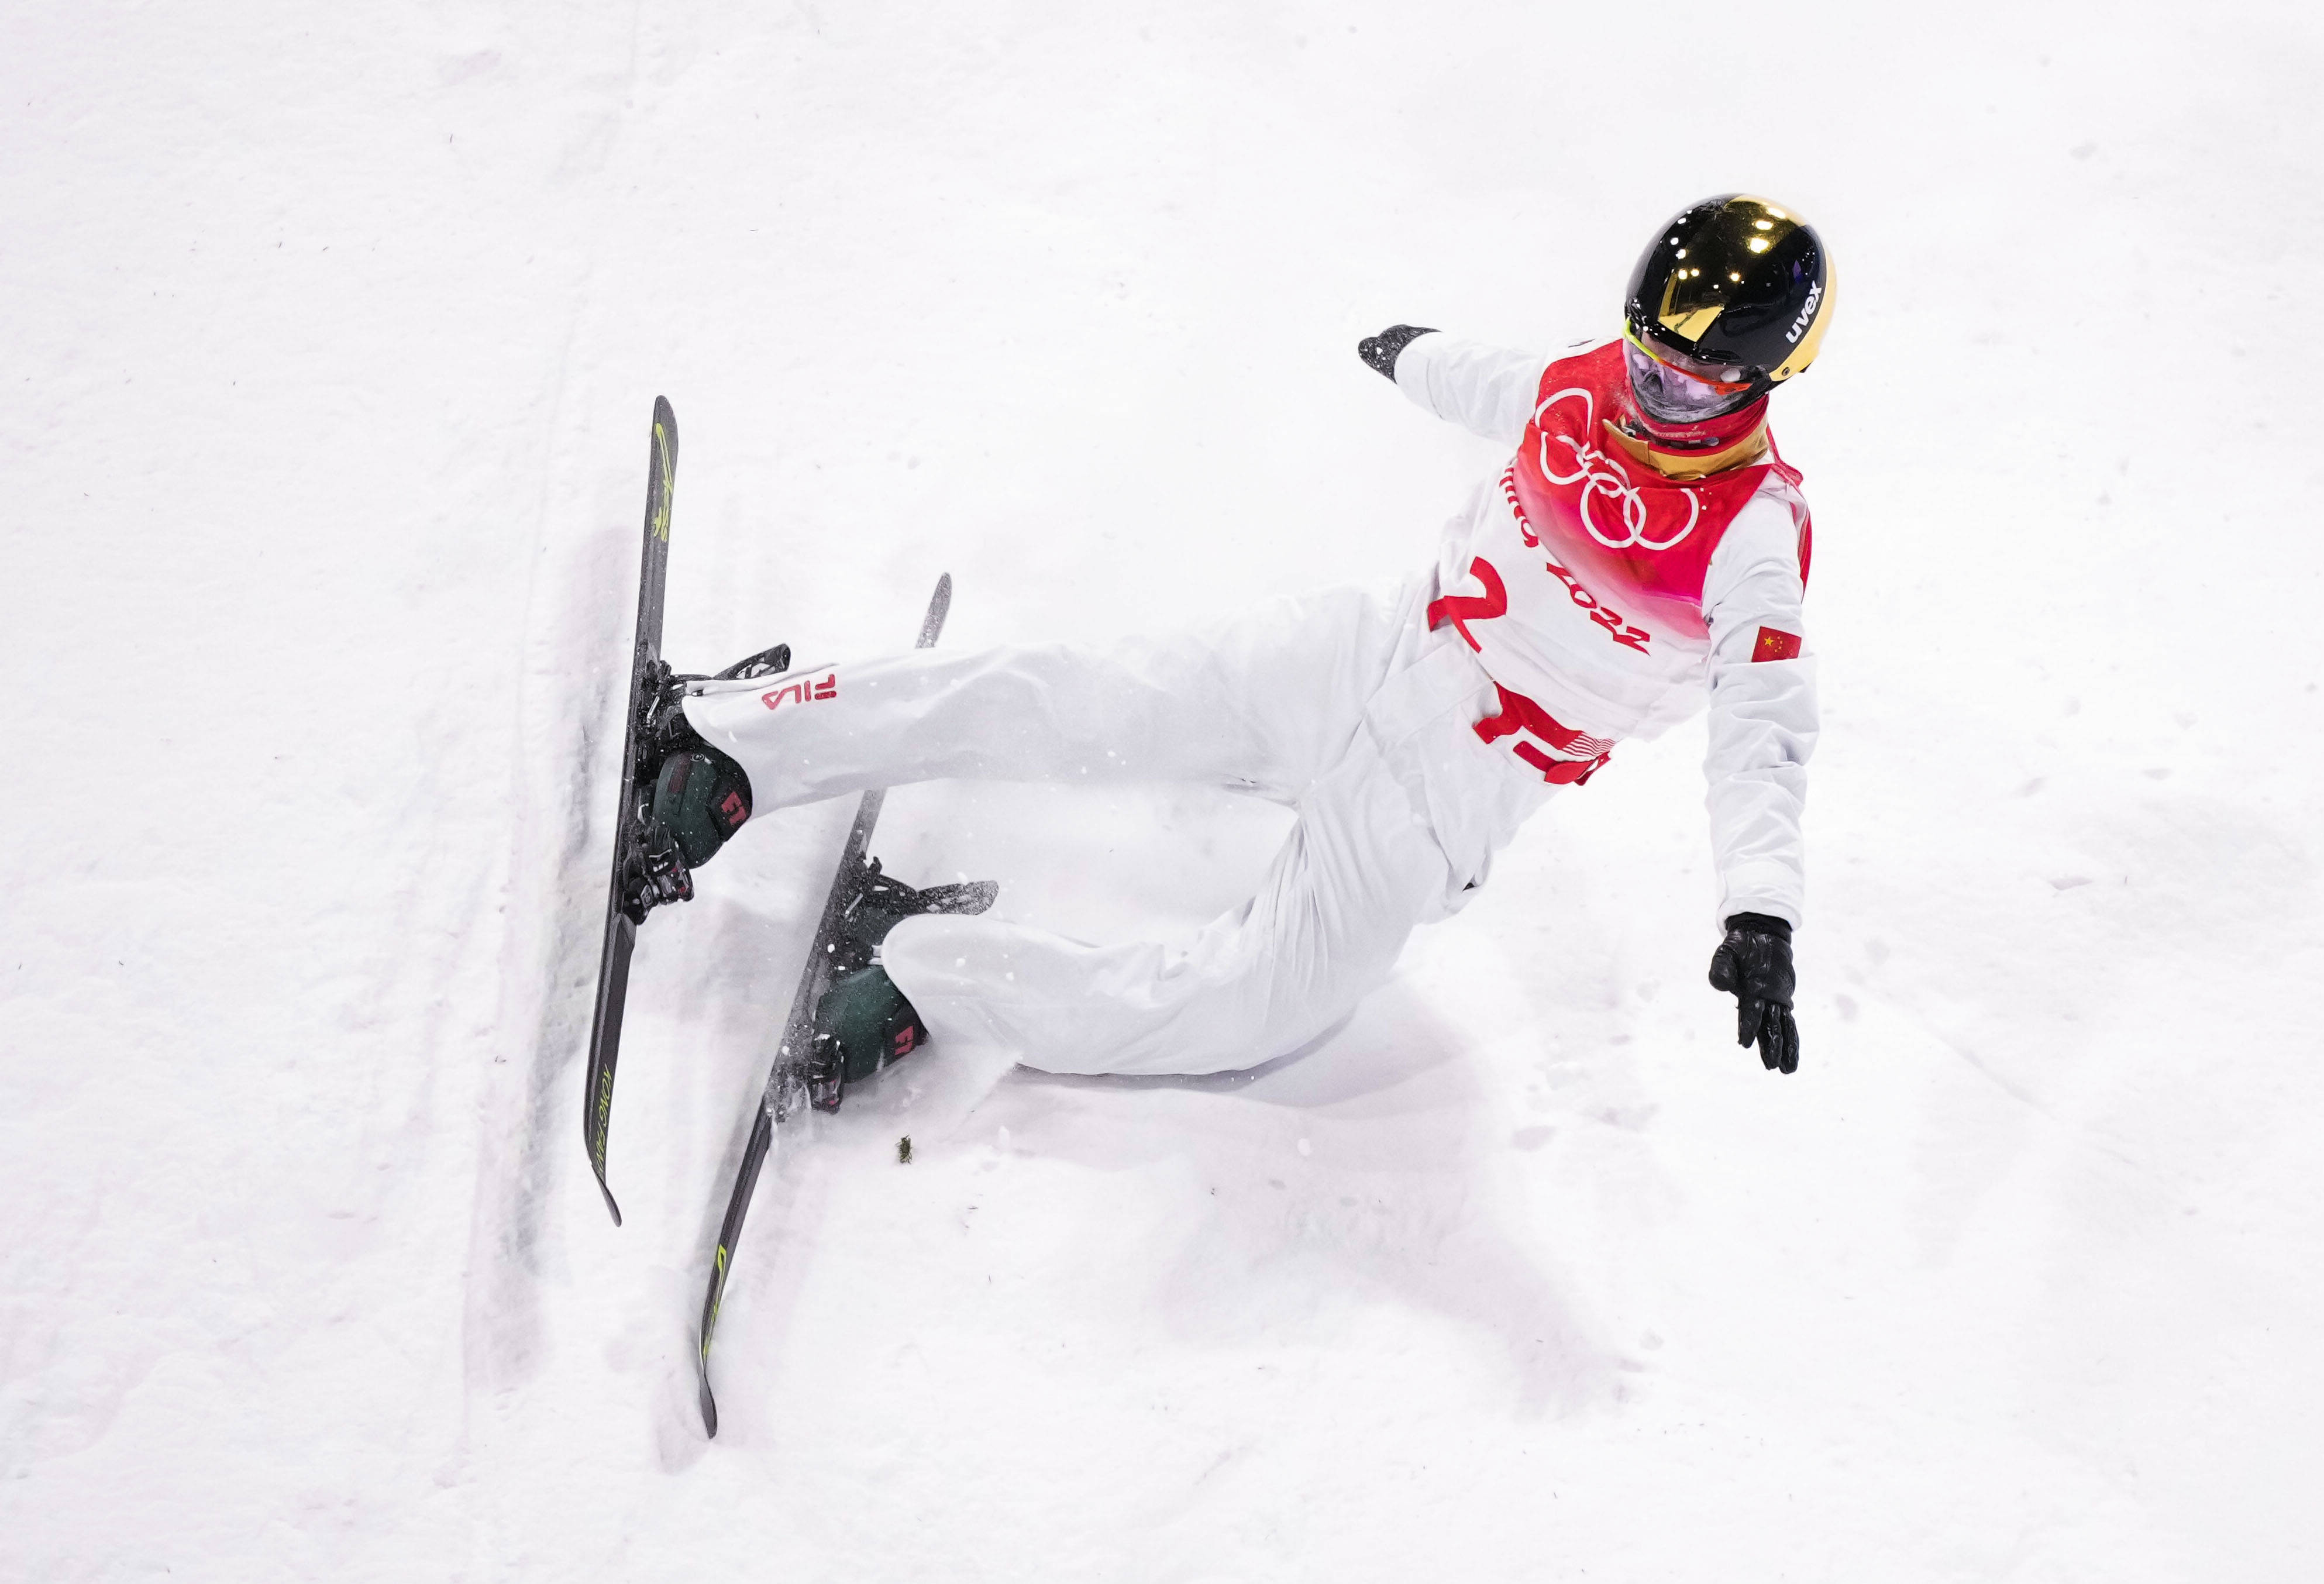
point(328, 337)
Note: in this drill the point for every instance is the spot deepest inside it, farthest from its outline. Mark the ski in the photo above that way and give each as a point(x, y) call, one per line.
point(626, 902)
point(787, 1090)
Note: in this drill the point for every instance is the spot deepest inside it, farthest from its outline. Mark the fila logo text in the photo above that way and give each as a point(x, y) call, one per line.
point(805, 690)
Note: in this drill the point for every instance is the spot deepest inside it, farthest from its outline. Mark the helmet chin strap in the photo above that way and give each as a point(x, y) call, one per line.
point(1691, 450)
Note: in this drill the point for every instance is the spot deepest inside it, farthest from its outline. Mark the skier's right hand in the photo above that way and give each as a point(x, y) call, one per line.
point(1753, 963)
point(1378, 352)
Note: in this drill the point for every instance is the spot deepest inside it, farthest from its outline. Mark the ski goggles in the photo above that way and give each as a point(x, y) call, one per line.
point(1674, 388)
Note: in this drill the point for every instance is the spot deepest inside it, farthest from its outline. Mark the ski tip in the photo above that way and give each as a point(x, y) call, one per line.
point(612, 1209)
point(667, 417)
point(709, 1407)
point(939, 607)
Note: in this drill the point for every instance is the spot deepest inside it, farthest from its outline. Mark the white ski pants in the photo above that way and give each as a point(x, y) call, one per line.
point(1341, 703)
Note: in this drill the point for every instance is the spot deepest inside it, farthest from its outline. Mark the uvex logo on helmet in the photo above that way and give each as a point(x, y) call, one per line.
point(1807, 314)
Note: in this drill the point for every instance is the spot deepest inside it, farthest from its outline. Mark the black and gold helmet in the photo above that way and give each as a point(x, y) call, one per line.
point(1737, 288)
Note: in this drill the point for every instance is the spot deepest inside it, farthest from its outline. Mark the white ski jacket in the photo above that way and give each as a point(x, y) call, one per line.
point(1551, 642)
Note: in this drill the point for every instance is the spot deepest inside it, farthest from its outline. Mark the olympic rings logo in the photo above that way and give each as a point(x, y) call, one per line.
point(1600, 474)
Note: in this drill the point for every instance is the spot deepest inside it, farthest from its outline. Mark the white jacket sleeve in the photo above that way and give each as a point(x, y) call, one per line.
point(1488, 390)
point(1763, 713)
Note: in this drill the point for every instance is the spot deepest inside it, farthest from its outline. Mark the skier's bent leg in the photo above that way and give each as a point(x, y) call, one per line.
point(1266, 699)
point(1359, 871)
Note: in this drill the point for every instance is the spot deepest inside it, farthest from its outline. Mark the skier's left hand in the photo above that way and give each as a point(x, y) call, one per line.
point(1753, 963)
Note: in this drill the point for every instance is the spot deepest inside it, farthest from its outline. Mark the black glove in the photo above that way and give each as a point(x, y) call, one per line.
point(1380, 351)
point(1755, 963)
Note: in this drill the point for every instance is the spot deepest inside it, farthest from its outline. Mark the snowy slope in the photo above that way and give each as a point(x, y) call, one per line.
point(328, 340)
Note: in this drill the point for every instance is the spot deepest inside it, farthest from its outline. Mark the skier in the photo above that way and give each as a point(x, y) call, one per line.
point(1644, 552)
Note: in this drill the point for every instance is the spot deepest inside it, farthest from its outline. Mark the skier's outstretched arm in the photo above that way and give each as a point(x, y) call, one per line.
point(1763, 728)
point(1487, 390)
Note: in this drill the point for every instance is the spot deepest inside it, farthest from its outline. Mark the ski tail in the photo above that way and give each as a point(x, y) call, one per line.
point(730, 1230)
point(621, 924)
point(939, 607)
point(785, 1095)
point(605, 1041)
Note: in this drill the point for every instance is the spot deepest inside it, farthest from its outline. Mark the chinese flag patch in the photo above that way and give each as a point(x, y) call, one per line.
point(1776, 645)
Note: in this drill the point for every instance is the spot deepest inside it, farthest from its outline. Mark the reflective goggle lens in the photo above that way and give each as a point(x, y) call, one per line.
point(1718, 376)
point(1672, 395)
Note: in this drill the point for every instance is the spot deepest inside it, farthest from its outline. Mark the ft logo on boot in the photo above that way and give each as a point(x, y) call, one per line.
point(701, 798)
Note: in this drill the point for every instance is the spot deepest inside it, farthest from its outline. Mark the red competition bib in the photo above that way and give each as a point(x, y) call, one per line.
point(1631, 545)
point(1623, 530)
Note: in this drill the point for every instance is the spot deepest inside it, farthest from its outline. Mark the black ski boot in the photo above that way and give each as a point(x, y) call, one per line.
point(862, 1022)
point(700, 796)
